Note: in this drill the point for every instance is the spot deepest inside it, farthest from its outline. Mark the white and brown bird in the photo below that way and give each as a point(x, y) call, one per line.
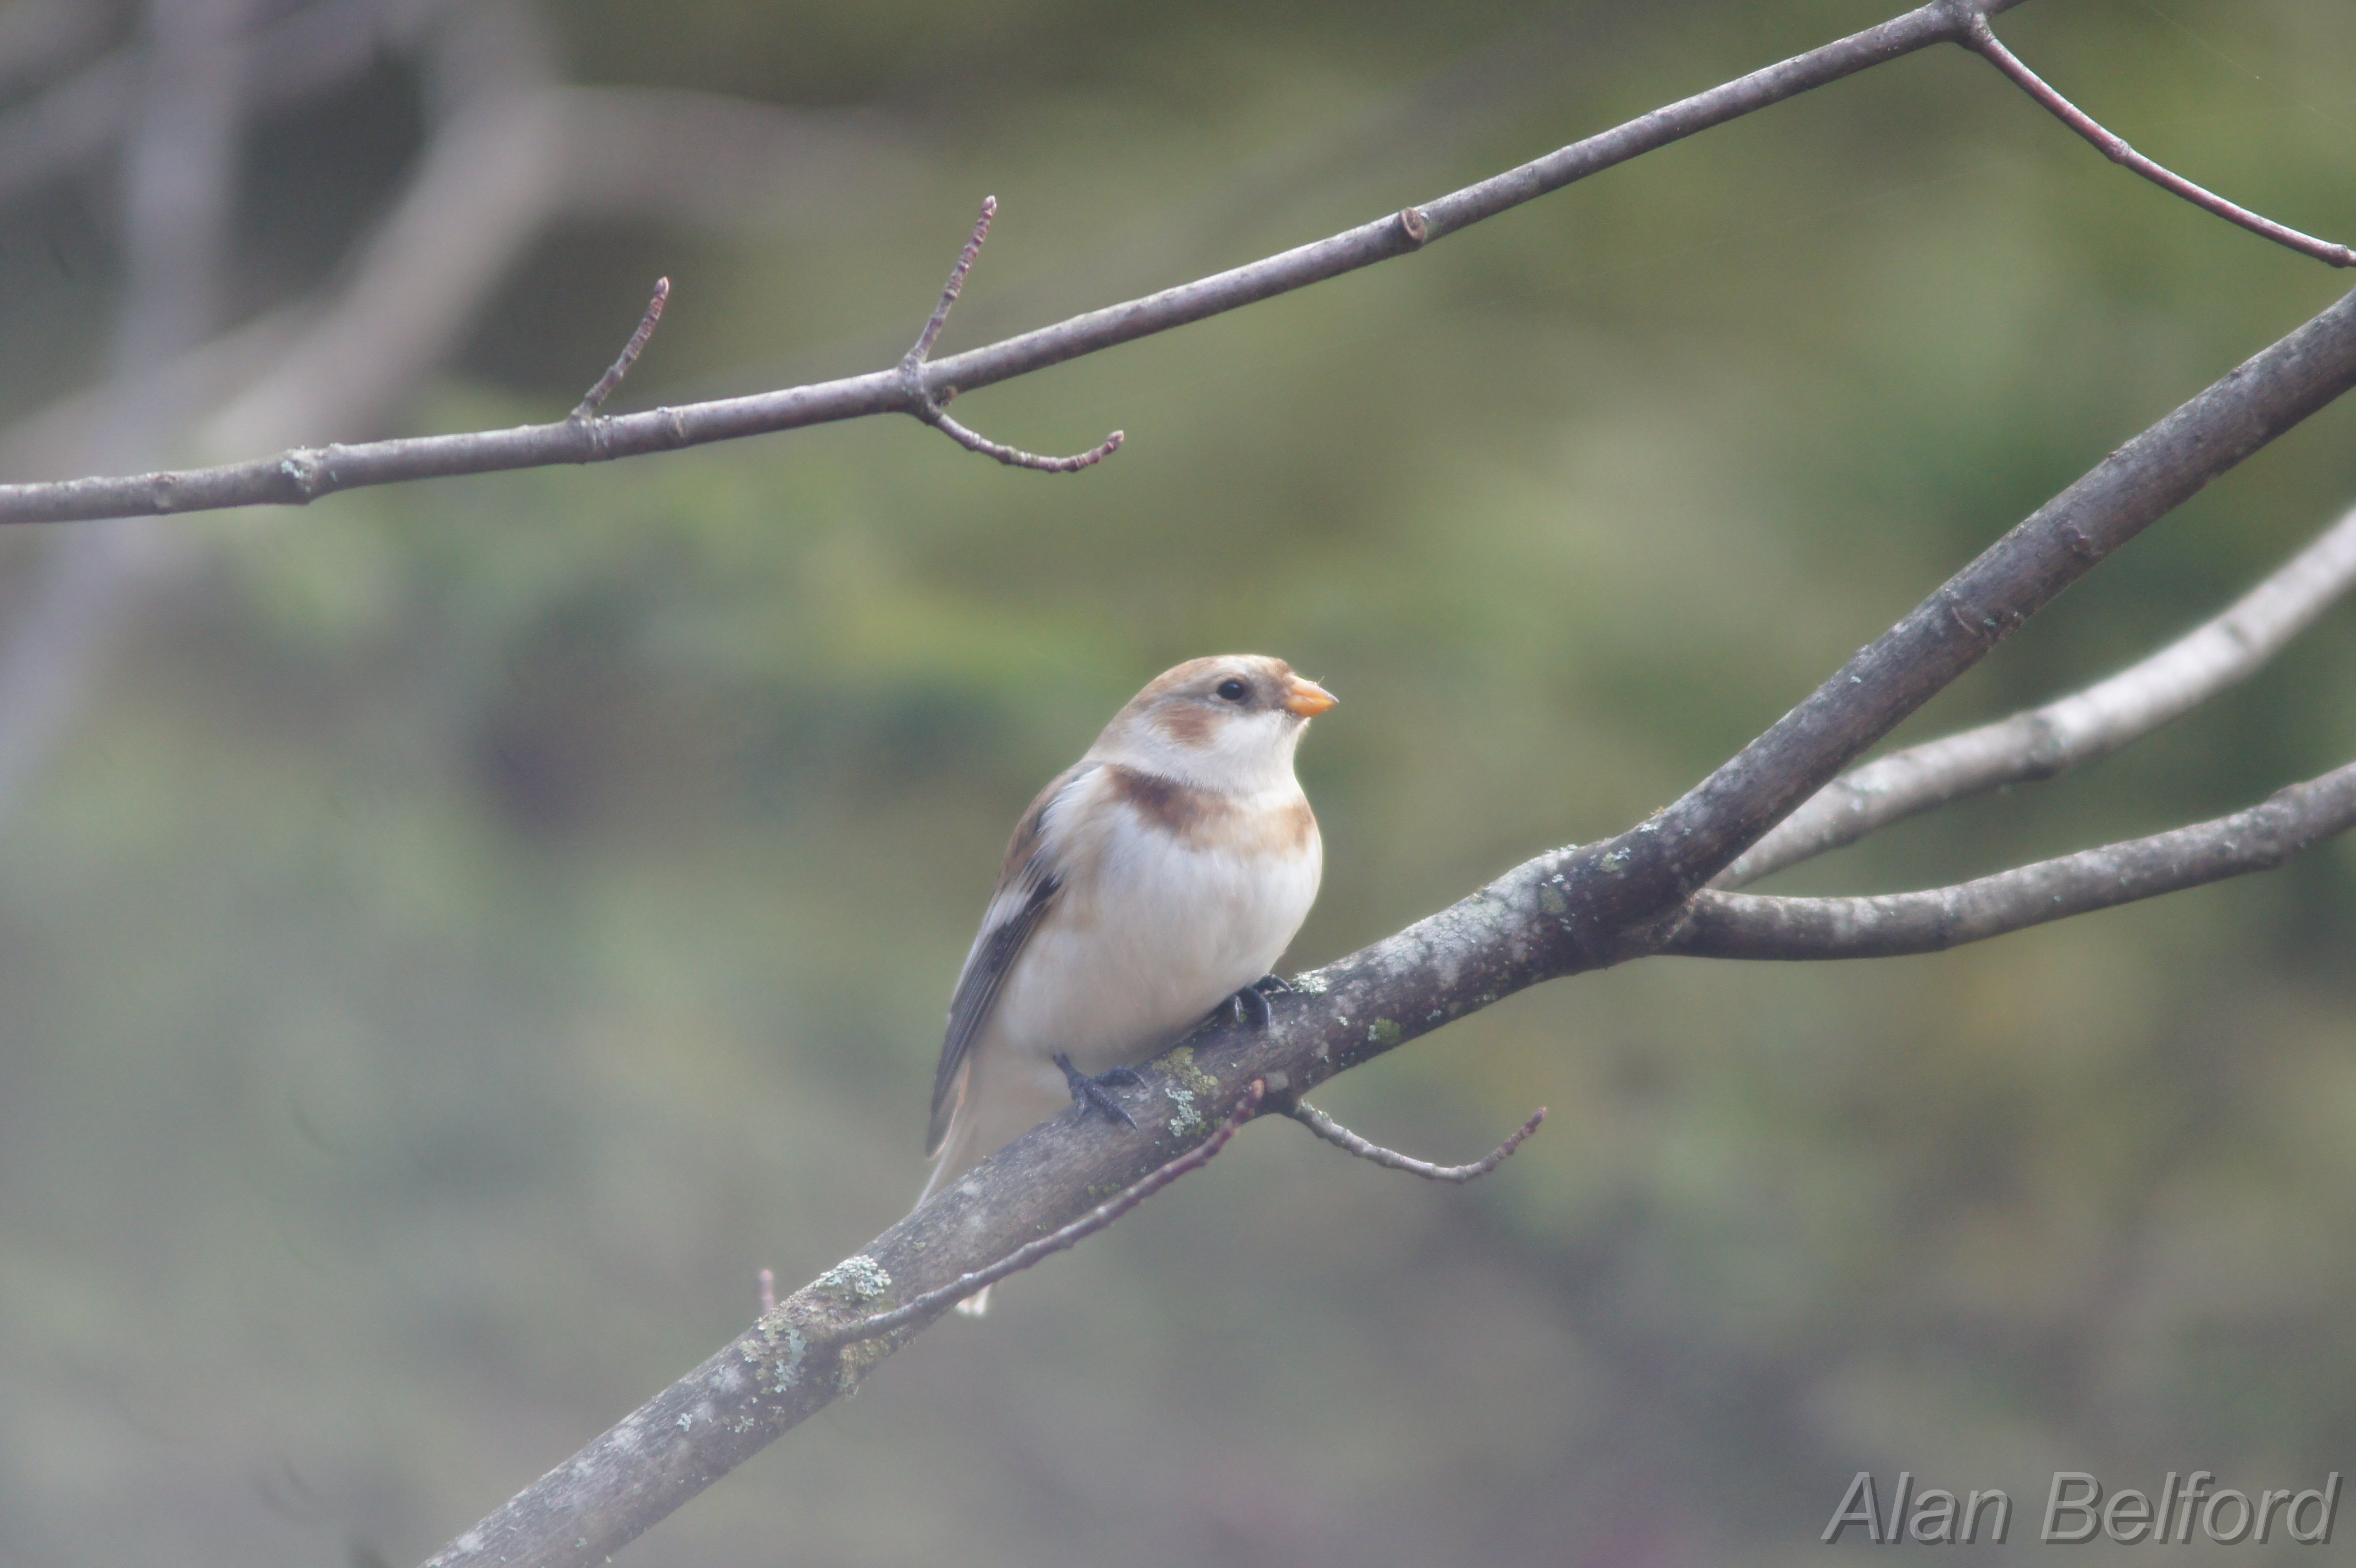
point(1156, 878)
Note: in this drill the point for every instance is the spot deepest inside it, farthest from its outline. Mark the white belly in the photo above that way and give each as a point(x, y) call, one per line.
point(1136, 955)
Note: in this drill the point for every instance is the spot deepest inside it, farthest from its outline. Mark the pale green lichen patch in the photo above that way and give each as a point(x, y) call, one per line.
point(1180, 1064)
point(1186, 1120)
point(1384, 1031)
point(776, 1350)
point(777, 1371)
point(1310, 985)
point(857, 1278)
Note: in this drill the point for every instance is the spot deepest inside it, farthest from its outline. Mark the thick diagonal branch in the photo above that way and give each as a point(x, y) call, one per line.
point(2041, 742)
point(1743, 925)
point(1556, 915)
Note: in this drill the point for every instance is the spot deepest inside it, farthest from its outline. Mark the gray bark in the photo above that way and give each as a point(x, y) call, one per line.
point(1569, 910)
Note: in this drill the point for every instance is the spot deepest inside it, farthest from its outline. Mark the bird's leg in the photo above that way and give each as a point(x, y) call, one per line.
point(1249, 1005)
point(1095, 1093)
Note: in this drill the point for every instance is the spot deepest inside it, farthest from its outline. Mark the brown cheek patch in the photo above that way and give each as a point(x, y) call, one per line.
point(1187, 724)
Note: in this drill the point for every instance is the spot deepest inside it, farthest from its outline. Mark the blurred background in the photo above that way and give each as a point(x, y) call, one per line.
point(452, 938)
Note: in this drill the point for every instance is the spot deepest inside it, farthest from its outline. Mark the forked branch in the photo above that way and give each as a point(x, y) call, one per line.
point(1743, 925)
point(303, 475)
point(2040, 743)
point(926, 402)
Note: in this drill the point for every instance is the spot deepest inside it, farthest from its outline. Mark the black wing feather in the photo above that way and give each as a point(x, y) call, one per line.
point(977, 992)
point(994, 955)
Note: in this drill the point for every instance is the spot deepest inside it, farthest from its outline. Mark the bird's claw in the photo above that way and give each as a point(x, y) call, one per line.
point(1095, 1093)
point(1249, 1007)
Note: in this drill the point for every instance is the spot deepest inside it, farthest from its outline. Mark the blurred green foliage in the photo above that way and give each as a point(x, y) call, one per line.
point(476, 926)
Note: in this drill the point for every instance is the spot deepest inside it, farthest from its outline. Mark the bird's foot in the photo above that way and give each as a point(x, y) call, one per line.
point(1249, 1007)
point(1095, 1093)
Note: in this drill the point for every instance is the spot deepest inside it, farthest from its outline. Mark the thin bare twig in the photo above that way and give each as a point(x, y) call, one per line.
point(1340, 1137)
point(923, 349)
point(303, 475)
point(933, 1303)
point(765, 1292)
point(2081, 727)
point(1981, 39)
point(594, 398)
point(1014, 457)
point(1743, 925)
point(926, 403)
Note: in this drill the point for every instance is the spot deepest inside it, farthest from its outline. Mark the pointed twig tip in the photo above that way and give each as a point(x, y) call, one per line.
point(935, 1302)
point(596, 395)
point(1340, 1137)
point(1981, 39)
point(927, 405)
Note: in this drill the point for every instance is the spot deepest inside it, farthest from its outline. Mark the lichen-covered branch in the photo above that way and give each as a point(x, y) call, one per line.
point(1560, 913)
point(303, 475)
point(2080, 728)
point(1743, 925)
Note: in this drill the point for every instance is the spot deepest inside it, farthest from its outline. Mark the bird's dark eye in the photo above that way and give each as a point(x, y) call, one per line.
point(1233, 691)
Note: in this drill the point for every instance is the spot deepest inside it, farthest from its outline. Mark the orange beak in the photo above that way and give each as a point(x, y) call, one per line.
point(1307, 698)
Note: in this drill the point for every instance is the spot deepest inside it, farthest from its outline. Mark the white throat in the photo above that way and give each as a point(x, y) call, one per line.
point(1242, 754)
